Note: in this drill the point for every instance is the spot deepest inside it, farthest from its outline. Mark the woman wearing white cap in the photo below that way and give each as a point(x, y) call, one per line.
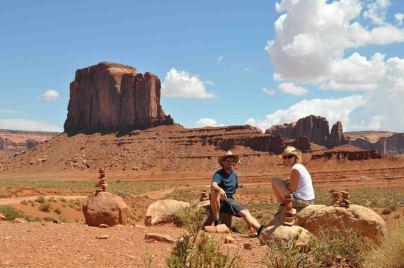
point(299, 184)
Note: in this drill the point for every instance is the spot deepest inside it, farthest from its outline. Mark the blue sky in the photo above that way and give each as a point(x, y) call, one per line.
point(221, 43)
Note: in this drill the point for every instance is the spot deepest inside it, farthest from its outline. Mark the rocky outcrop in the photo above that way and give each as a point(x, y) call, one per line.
point(315, 128)
point(392, 145)
point(114, 97)
point(158, 211)
point(106, 208)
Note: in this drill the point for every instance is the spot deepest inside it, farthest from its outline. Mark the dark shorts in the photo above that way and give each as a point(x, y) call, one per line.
point(230, 206)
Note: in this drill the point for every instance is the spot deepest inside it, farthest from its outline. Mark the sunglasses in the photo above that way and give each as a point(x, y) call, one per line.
point(287, 156)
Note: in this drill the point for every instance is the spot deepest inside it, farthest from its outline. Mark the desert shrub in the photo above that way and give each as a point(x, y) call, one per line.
point(192, 218)
point(62, 218)
point(285, 254)
point(40, 199)
point(329, 248)
point(45, 207)
point(62, 199)
point(390, 253)
point(333, 246)
point(24, 202)
point(58, 211)
point(195, 249)
point(11, 213)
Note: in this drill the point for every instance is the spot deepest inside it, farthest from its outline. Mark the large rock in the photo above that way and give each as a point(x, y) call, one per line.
point(109, 97)
point(391, 145)
point(278, 233)
point(106, 208)
point(316, 128)
point(160, 209)
point(363, 220)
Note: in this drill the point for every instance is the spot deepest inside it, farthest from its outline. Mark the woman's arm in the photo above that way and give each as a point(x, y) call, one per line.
point(294, 180)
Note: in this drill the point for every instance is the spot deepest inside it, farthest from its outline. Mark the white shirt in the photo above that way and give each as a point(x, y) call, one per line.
point(304, 188)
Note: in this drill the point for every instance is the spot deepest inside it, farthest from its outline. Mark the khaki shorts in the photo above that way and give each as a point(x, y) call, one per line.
point(298, 203)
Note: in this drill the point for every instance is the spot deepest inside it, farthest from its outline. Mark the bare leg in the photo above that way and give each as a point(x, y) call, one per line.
point(250, 220)
point(215, 204)
point(279, 189)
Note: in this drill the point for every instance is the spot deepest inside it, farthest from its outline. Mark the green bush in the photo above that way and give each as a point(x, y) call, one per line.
point(11, 213)
point(329, 248)
point(58, 211)
point(40, 199)
point(285, 254)
point(45, 207)
point(195, 249)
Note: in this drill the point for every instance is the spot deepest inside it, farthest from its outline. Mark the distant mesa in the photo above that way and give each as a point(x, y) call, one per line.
point(110, 97)
point(316, 128)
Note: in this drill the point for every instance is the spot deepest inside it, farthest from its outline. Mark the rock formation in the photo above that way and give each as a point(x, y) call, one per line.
point(315, 128)
point(391, 145)
point(114, 97)
point(106, 208)
point(158, 211)
point(363, 220)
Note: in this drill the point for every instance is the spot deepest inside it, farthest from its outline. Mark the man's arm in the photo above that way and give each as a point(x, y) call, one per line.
point(294, 180)
point(216, 188)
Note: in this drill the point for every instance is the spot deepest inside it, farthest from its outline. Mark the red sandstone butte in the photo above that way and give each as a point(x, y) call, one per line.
point(114, 97)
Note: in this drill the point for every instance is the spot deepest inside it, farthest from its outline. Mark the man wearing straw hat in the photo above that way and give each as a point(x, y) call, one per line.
point(224, 184)
point(299, 183)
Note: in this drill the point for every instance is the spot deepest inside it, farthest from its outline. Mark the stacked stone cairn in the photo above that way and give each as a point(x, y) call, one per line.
point(289, 212)
point(102, 183)
point(335, 199)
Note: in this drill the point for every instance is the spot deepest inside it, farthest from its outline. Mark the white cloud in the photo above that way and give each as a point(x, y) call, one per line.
point(247, 69)
point(268, 91)
point(399, 17)
point(376, 11)
point(384, 106)
point(50, 95)
point(292, 89)
point(23, 124)
point(206, 122)
point(333, 109)
point(220, 59)
point(184, 85)
point(312, 38)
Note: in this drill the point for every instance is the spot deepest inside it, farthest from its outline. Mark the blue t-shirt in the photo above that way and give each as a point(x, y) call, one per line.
point(228, 182)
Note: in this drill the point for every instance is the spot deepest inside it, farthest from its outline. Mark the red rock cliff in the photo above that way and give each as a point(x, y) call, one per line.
point(113, 97)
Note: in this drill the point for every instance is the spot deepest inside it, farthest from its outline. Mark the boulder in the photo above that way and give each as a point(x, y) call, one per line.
point(158, 210)
point(361, 219)
point(2, 217)
point(278, 233)
point(113, 97)
point(106, 208)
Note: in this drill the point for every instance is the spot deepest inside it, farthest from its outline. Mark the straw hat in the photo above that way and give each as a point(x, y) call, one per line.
point(290, 150)
point(227, 155)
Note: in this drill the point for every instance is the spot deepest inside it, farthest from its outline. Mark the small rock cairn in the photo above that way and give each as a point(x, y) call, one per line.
point(335, 199)
point(289, 212)
point(102, 184)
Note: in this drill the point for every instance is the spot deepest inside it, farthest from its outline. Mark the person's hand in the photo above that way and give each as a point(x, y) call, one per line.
point(222, 194)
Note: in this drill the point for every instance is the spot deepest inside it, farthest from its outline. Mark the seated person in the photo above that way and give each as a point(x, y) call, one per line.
point(299, 184)
point(224, 184)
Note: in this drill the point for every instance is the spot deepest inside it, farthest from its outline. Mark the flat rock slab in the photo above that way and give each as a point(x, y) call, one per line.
point(159, 237)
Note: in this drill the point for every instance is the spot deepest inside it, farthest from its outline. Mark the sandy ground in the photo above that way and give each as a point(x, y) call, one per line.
point(77, 245)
